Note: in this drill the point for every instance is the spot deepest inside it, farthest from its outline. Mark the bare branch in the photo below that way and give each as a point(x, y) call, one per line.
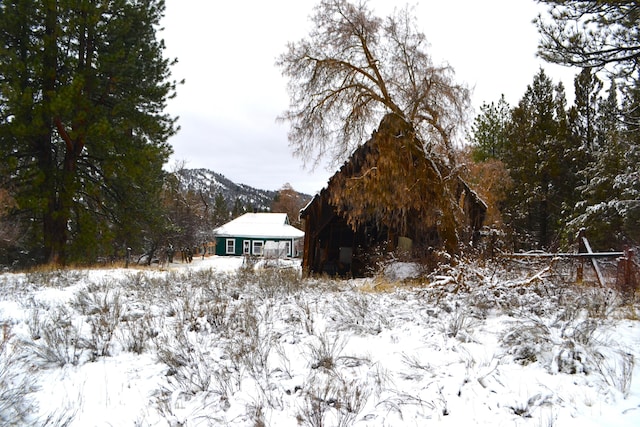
point(352, 70)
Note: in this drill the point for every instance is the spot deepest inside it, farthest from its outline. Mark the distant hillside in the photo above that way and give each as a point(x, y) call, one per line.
point(210, 184)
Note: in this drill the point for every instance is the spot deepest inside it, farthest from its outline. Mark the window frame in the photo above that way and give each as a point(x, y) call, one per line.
point(230, 244)
point(257, 244)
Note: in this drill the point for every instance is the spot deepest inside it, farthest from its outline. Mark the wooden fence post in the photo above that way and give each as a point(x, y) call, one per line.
point(580, 272)
point(627, 277)
point(596, 268)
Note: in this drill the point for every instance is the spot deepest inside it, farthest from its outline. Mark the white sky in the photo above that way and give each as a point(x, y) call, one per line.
point(233, 91)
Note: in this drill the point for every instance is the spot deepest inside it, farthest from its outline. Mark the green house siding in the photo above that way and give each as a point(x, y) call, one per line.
point(235, 246)
point(221, 246)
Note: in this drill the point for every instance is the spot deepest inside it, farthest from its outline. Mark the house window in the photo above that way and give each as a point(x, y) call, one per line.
point(287, 246)
point(231, 246)
point(246, 247)
point(257, 247)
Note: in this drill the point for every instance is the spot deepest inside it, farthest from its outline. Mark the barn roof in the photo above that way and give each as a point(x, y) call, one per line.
point(260, 225)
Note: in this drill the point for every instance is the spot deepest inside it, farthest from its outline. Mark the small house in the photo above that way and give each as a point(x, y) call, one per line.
point(251, 233)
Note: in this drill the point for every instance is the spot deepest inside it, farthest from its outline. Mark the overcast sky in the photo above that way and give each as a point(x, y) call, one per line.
point(233, 92)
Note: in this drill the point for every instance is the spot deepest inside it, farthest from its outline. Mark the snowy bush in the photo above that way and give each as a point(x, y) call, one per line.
point(15, 384)
point(60, 341)
point(103, 320)
point(331, 400)
point(135, 333)
point(572, 341)
point(18, 388)
point(57, 278)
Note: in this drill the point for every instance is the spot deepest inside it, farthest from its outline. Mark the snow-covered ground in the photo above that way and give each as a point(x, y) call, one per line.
point(213, 343)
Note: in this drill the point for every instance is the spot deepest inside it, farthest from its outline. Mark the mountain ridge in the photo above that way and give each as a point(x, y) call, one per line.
point(210, 184)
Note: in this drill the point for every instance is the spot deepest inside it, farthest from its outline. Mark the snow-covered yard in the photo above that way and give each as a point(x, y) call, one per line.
point(213, 343)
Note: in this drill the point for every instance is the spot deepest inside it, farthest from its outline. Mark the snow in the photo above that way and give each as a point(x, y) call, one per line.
point(215, 342)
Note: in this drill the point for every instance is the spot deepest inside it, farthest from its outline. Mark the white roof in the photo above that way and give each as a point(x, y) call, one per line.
point(261, 225)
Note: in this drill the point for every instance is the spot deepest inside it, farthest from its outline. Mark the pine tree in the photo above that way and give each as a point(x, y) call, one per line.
point(587, 87)
point(239, 208)
point(599, 35)
point(592, 34)
point(489, 130)
point(584, 131)
point(220, 210)
point(84, 85)
point(594, 124)
point(610, 196)
point(627, 182)
point(536, 157)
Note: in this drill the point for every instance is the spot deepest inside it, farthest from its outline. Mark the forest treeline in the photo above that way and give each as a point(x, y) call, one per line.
point(566, 168)
point(549, 169)
point(84, 130)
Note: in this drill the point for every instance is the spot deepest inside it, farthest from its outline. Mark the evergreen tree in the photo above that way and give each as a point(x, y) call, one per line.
point(220, 210)
point(587, 87)
point(83, 89)
point(536, 156)
point(489, 130)
point(583, 130)
point(592, 34)
point(239, 209)
point(594, 125)
point(600, 35)
point(609, 207)
point(627, 182)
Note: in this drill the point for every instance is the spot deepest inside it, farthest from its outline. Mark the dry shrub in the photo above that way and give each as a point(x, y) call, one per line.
point(332, 400)
point(15, 386)
point(60, 341)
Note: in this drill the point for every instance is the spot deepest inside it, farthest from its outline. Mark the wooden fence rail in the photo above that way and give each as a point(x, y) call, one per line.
point(565, 255)
point(628, 272)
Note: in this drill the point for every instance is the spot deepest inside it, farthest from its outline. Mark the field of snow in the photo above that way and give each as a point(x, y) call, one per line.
point(214, 343)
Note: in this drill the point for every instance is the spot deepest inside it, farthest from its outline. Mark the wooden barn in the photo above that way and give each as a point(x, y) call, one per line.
point(409, 220)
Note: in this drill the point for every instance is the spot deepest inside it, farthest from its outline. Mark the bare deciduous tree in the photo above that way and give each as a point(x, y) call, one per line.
point(353, 69)
point(290, 202)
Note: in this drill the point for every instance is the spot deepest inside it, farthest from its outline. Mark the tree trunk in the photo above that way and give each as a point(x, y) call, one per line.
point(56, 233)
point(61, 199)
point(54, 227)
